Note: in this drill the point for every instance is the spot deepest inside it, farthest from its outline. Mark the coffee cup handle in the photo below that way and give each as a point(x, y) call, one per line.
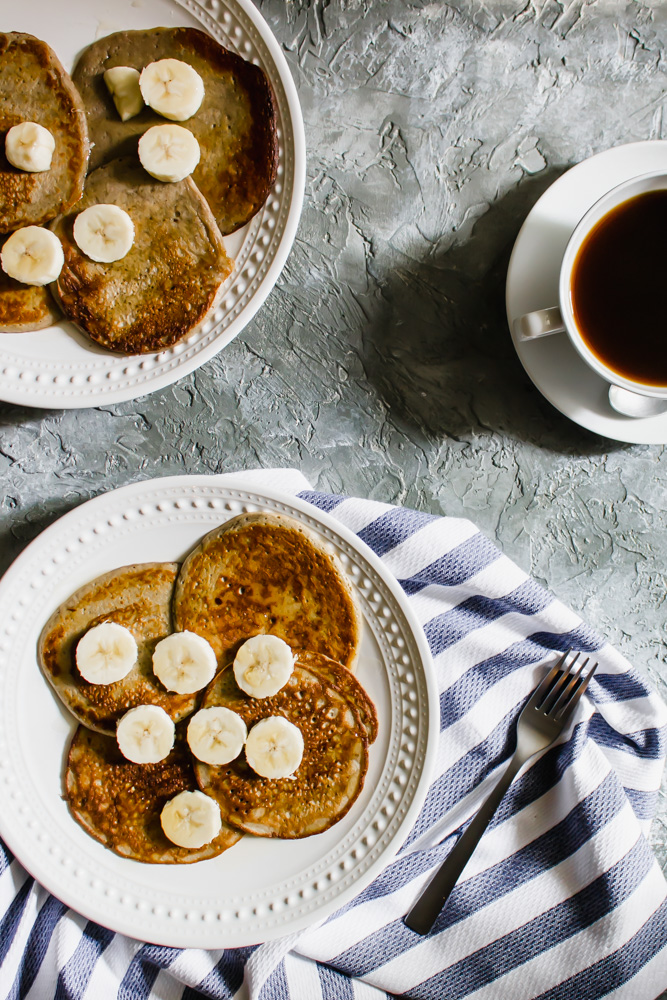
point(633, 404)
point(541, 323)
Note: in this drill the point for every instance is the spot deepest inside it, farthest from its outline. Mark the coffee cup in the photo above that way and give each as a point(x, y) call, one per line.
point(610, 294)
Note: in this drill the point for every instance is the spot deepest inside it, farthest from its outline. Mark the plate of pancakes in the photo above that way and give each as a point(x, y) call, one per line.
point(219, 557)
point(207, 249)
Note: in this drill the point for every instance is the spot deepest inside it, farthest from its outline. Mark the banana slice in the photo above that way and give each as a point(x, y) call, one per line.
point(106, 653)
point(263, 665)
point(32, 255)
point(168, 152)
point(123, 85)
point(274, 747)
point(184, 662)
point(216, 735)
point(191, 819)
point(145, 734)
point(29, 146)
point(172, 88)
point(104, 232)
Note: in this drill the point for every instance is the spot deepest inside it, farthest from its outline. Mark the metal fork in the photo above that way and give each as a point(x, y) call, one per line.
point(542, 720)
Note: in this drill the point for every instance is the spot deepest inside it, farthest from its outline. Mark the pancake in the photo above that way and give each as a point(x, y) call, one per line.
point(35, 87)
point(119, 803)
point(24, 307)
point(137, 597)
point(166, 283)
point(235, 125)
point(339, 677)
point(331, 773)
point(264, 573)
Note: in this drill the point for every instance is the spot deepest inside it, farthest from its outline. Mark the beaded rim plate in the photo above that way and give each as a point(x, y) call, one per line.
point(59, 366)
point(259, 889)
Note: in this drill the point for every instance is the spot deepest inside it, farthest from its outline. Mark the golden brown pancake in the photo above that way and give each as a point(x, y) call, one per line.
point(24, 307)
point(138, 597)
point(235, 125)
point(264, 573)
point(35, 87)
point(346, 684)
point(119, 803)
point(165, 284)
point(331, 773)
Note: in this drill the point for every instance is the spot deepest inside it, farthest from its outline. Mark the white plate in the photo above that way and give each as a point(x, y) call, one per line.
point(259, 889)
point(532, 283)
point(60, 366)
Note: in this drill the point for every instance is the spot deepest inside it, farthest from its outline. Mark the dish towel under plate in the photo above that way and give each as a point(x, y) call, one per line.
point(563, 899)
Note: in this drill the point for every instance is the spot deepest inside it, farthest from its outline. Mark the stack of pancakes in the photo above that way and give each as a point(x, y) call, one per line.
point(256, 574)
point(171, 277)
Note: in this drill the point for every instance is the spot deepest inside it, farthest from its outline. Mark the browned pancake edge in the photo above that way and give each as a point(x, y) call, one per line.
point(344, 681)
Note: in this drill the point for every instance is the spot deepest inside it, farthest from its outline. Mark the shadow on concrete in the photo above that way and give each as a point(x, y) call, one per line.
point(439, 352)
point(17, 414)
point(35, 516)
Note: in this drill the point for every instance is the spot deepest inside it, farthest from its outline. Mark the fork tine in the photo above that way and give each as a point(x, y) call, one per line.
point(569, 707)
point(546, 681)
point(567, 689)
point(553, 695)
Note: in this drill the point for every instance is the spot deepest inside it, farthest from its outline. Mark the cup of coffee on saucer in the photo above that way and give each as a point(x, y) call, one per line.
point(612, 303)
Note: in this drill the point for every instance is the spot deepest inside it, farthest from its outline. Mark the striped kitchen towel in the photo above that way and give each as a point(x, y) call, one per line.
point(563, 899)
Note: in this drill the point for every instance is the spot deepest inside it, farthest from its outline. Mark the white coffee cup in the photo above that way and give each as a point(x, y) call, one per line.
point(627, 396)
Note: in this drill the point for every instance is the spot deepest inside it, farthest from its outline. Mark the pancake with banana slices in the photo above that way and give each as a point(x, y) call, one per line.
point(137, 597)
point(235, 125)
point(34, 87)
point(119, 803)
point(25, 307)
point(167, 282)
point(265, 573)
point(332, 770)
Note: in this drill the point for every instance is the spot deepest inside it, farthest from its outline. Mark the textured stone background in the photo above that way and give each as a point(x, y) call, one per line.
point(381, 364)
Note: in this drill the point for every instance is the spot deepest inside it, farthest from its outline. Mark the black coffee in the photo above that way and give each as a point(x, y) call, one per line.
point(618, 289)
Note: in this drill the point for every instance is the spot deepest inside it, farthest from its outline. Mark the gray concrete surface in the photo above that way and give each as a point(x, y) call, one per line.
point(381, 364)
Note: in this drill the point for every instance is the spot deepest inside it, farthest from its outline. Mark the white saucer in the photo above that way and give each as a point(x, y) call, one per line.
point(532, 283)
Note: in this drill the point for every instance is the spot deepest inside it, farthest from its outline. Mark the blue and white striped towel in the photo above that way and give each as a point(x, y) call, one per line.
point(563, 899)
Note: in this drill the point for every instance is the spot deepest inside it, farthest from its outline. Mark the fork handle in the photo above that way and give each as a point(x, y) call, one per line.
point(423, 914)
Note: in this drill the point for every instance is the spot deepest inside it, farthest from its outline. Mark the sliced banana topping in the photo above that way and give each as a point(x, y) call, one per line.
point(105, 233)
point(32, 255)
point(274, 747)
point(145, 734)
point(168, 152)
point(191, 819)
point(29, 146)
point(106, 653)
point(172, 88)
point(123, 85)
point(263, 665)
point(184, 662)
point(216, 735)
